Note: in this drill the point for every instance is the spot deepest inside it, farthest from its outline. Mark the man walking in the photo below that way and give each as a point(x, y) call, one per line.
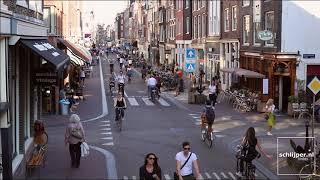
point(186, 161)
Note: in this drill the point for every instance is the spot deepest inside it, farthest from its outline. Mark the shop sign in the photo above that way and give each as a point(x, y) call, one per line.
point(265, 35)
point(265, 86)
point(47, 78)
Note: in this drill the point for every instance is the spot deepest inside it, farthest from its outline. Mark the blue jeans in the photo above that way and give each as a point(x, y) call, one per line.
point(149, 90)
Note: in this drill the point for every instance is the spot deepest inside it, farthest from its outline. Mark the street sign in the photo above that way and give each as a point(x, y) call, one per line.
point(314, 85)
point(190, 54)
point(190, 67)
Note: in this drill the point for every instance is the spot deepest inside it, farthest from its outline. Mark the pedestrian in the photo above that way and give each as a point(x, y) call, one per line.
point(186, 161)
point(82, 76)
point(213, 93)
point(271, 119)
point(248, 152)
point(74, 136)
point(150, 170)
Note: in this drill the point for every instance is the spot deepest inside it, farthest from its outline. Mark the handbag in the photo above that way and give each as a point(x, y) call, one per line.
point(175, 175)
point(84, 149)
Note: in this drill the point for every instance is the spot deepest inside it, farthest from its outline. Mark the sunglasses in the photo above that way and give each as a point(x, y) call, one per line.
point(152, 158)
point(186, 148)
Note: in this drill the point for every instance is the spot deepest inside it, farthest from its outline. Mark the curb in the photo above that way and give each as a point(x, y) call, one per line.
point(260, 167)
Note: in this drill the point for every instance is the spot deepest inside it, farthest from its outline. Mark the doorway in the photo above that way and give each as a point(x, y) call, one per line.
point(282, 92)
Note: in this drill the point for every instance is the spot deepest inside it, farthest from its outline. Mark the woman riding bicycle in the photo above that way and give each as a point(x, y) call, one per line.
point(119, 104)
point(249, 152)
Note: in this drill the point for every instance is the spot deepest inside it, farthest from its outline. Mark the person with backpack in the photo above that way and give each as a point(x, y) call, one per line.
point(74, 136)
point(248, 150)
point(207, 117)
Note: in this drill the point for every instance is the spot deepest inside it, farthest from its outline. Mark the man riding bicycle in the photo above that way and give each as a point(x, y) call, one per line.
point(119, 104)
point(121, 80)
point(152, 82)
point(207, 117)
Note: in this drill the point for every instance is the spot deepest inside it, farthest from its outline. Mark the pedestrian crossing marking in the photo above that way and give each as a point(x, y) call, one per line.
point(224, 175)
point(200, 176)
point(167, 177)
point(106, 133)
point(196, 117)
point(163, 102)
point(216, 175)
point(208, 175)
point(105, 121)
point(198, 123)
point(147, 102)
point(107, 138)
point(133, 102)
point(232, 176)
point(125, 178)
point(105, 129)
point(134, 177)
point(125, 94)
point(108, 144)
point(107, 125)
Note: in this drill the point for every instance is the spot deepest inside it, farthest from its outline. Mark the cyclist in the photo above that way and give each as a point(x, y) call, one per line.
point(152, 82)
point(207, 117)
point(119, 104)
point(111, 63)
point(248, 151)
point(121, 80)
point(121, 62)
point(129, 73)
point(144, 72)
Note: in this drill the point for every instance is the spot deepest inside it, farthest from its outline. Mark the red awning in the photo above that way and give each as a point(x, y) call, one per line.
point(74, 49)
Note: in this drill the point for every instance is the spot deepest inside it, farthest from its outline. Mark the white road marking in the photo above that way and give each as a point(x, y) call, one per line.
point(208, 175)
point(105, 121)
point(219, 135)
point(216, 175)
point(232, 176)
point(163, 102)
point(193, 114)
point(108, 144)
point(196, 117)
point(148, 102)
point(197, 123)
point(106, 133)
point(224, 175)
point(105, 125)
point(167, 177)
point(200, 176)
point(125, 94)
point(133, 102)
point(109, 138)
point(125, 178)
point(199, 120)
point(105, 129)
point(134, 177)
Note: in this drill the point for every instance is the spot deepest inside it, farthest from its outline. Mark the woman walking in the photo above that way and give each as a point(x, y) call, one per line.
point(74, 136)
point(150, 170)
point(271, 119)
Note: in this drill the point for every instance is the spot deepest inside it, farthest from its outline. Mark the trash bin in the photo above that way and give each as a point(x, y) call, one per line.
point(64, 107)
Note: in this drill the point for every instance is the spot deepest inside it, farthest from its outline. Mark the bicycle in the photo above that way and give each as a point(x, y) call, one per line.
point(120, 117)
point(207, 137)
point(311, 170)
point(249, 168)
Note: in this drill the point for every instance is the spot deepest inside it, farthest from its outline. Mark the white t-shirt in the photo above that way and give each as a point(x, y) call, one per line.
point(152, 81)
point(121, 60)
point(121, 79)
point(187, 169)
point(130, 61)
point(212, 89)
point(82, 74)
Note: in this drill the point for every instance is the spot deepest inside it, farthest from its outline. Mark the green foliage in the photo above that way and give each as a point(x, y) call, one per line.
point(293, 99)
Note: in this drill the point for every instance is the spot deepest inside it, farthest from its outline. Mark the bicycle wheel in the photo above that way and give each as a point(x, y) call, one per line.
point(203, 136)
point(209, 139)
point(306, 172)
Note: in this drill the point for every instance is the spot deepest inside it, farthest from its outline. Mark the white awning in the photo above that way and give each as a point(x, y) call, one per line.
point(74, 59)
point(243, 72)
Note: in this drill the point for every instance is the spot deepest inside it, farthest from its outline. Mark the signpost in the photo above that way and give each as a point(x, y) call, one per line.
point(191, 58)
point(314, 86)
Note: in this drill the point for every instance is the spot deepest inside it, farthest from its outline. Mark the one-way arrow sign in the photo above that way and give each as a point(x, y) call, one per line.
point(190, 54)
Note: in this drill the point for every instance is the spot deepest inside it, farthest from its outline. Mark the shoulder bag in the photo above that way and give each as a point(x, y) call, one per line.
point(175, 175)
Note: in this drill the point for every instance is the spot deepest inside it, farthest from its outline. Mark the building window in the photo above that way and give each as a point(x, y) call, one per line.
point(188, 25)
point(269, 25)
point(199, 4)
point(226, 20)
point(199, 27)
point(187, 4)
point(195, 28)
point(256, 29)
point(47, 18)
point(23, 3)
point(246, 29)
point(195, 4)
point(245, 2)
point(234, 20)
point(204, 25)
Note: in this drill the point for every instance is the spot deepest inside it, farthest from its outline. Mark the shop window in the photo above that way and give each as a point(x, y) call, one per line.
point(226, 20)
point(256, 29)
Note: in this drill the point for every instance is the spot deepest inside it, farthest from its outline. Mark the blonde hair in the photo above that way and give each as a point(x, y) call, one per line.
point(269, 102)
point(74, 118)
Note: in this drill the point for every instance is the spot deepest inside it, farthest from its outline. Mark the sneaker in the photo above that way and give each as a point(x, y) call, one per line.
point(239, 174)
point(269, 133)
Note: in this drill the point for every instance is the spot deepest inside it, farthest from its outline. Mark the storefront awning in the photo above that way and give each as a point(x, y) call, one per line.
point(3, 106)
point(48, 52)
point(86, 52)
point(243, 72)
point(72, 47)
point(74, 59)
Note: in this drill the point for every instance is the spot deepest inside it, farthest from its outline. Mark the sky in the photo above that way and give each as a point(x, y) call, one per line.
point(105, 10)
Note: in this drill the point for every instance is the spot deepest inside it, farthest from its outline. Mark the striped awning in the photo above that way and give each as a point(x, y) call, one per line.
point(74, 59)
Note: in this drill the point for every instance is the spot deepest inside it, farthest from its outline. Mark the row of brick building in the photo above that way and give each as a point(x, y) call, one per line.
point(258, 40)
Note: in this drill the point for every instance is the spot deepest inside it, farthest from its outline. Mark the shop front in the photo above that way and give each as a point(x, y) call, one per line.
point(280, 74)
point(212, 62)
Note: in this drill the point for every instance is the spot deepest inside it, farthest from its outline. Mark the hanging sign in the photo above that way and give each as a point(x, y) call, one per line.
point(265, 35)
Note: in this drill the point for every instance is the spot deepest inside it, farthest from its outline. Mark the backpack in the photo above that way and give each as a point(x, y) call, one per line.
point(210, 115)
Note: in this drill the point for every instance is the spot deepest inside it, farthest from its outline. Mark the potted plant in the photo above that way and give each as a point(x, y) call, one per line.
point(291, 99)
